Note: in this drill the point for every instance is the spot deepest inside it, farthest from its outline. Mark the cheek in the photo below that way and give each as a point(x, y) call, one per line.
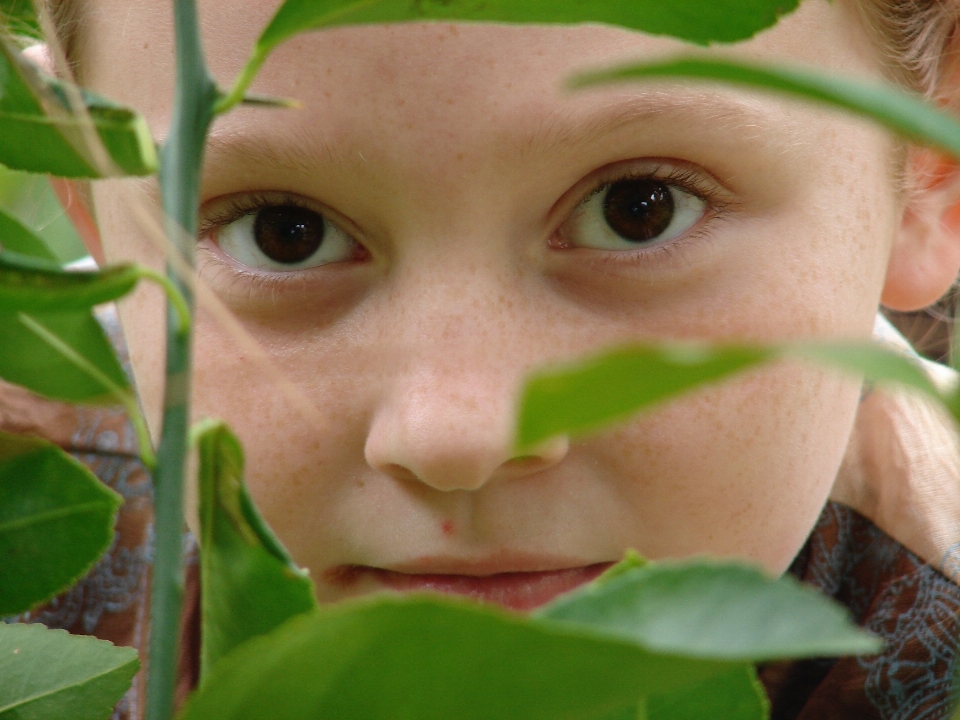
point(743, 469)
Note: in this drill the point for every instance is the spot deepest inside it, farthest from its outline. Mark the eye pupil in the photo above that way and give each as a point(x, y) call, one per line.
point(638, 210)
point(288, 234)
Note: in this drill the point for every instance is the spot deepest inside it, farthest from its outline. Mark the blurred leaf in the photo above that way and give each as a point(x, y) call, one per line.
point(580, 397)
point(629, 712)
point(716, 610)
point(698, 21)
point(53, 675)
point(19, 18)
point(30, 201)
point(14, 236)
point(434, 658)
point(631, 561)
point(250, 585)
point(874, 362)
point(29, 360)
point(39, 134)
point(904, 113)
point(56, 520)
point(737, 695)
point(28, 284)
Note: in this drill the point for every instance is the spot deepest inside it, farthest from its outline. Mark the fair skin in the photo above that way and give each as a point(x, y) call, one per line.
point(454, 169)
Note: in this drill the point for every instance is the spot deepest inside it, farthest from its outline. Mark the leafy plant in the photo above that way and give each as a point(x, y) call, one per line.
point(51, 674)
point(652, 640)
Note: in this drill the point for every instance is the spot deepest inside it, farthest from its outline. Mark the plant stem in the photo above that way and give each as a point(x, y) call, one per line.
point(181, 160)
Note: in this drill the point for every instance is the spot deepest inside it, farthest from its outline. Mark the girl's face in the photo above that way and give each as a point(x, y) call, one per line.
point(440, 217)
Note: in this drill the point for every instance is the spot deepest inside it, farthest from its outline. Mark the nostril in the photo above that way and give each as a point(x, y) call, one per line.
point(399, 472)
point(524, 462)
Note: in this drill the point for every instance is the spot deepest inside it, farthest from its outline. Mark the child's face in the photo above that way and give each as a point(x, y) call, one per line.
point(465, 244)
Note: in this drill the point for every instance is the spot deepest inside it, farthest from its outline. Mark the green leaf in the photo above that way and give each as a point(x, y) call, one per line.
point(737, 695)
point(629, 712)
point(38, 133)
point(698, 21)
point(29, 359)
point(715, 610)
point(433, 658)
point(895, 109)
point(250, 585)
point(56, 520)
point(28, 284)
point(52, 675)
point(631, 561)
point(17, 238)
point(19, 18)
point(580, 397)
point(874, 362)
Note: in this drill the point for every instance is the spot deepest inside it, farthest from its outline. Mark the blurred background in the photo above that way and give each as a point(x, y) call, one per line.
point(30, 200)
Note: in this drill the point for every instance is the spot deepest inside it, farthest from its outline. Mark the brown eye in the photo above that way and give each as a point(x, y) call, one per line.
point(286, 238)
point(288, 234)
point(638, 210)
point(632, 213)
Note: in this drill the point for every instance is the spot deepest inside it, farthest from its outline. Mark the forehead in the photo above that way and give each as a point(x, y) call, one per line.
point(411, 74)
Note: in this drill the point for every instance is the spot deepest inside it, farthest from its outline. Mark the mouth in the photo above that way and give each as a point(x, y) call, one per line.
point(517, 590)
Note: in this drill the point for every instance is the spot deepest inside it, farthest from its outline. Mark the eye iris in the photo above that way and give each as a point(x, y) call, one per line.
point(288, 234)
point(638, 210)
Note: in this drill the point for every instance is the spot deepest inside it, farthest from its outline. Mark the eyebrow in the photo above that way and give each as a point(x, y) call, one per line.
point(564, 131)
point(703, 107)
point(298, 152)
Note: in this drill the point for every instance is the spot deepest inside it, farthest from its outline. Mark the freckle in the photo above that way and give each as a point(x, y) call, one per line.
point(401, 103)
point(447, 527)
point(327, 93)
point(459, 156)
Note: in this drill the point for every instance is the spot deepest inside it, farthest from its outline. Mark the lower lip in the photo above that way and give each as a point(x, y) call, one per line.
point(514, 590)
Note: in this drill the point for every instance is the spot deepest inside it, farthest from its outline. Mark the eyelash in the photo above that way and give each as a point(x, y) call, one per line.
point(684, 178)
point(240, 206)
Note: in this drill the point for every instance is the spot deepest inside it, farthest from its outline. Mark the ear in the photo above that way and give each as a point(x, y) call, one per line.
point(76, 203)
point(925, 258)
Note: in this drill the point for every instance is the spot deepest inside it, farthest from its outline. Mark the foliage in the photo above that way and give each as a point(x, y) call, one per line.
point(654, 640)
point(645, 629)
point(434, 658)
point(699, 21)
point(250, 585)
point(56, 519)
point(51, 674)
point(38, 131)
point(20, 17)
point(901, 112)
point(580, 397)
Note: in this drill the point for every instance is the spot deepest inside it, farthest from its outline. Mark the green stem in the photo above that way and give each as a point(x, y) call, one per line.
point(178, 302)
point(236, 93)
point(180, 164)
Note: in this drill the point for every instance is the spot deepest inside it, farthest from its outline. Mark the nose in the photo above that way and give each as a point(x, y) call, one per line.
point(453, 431)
